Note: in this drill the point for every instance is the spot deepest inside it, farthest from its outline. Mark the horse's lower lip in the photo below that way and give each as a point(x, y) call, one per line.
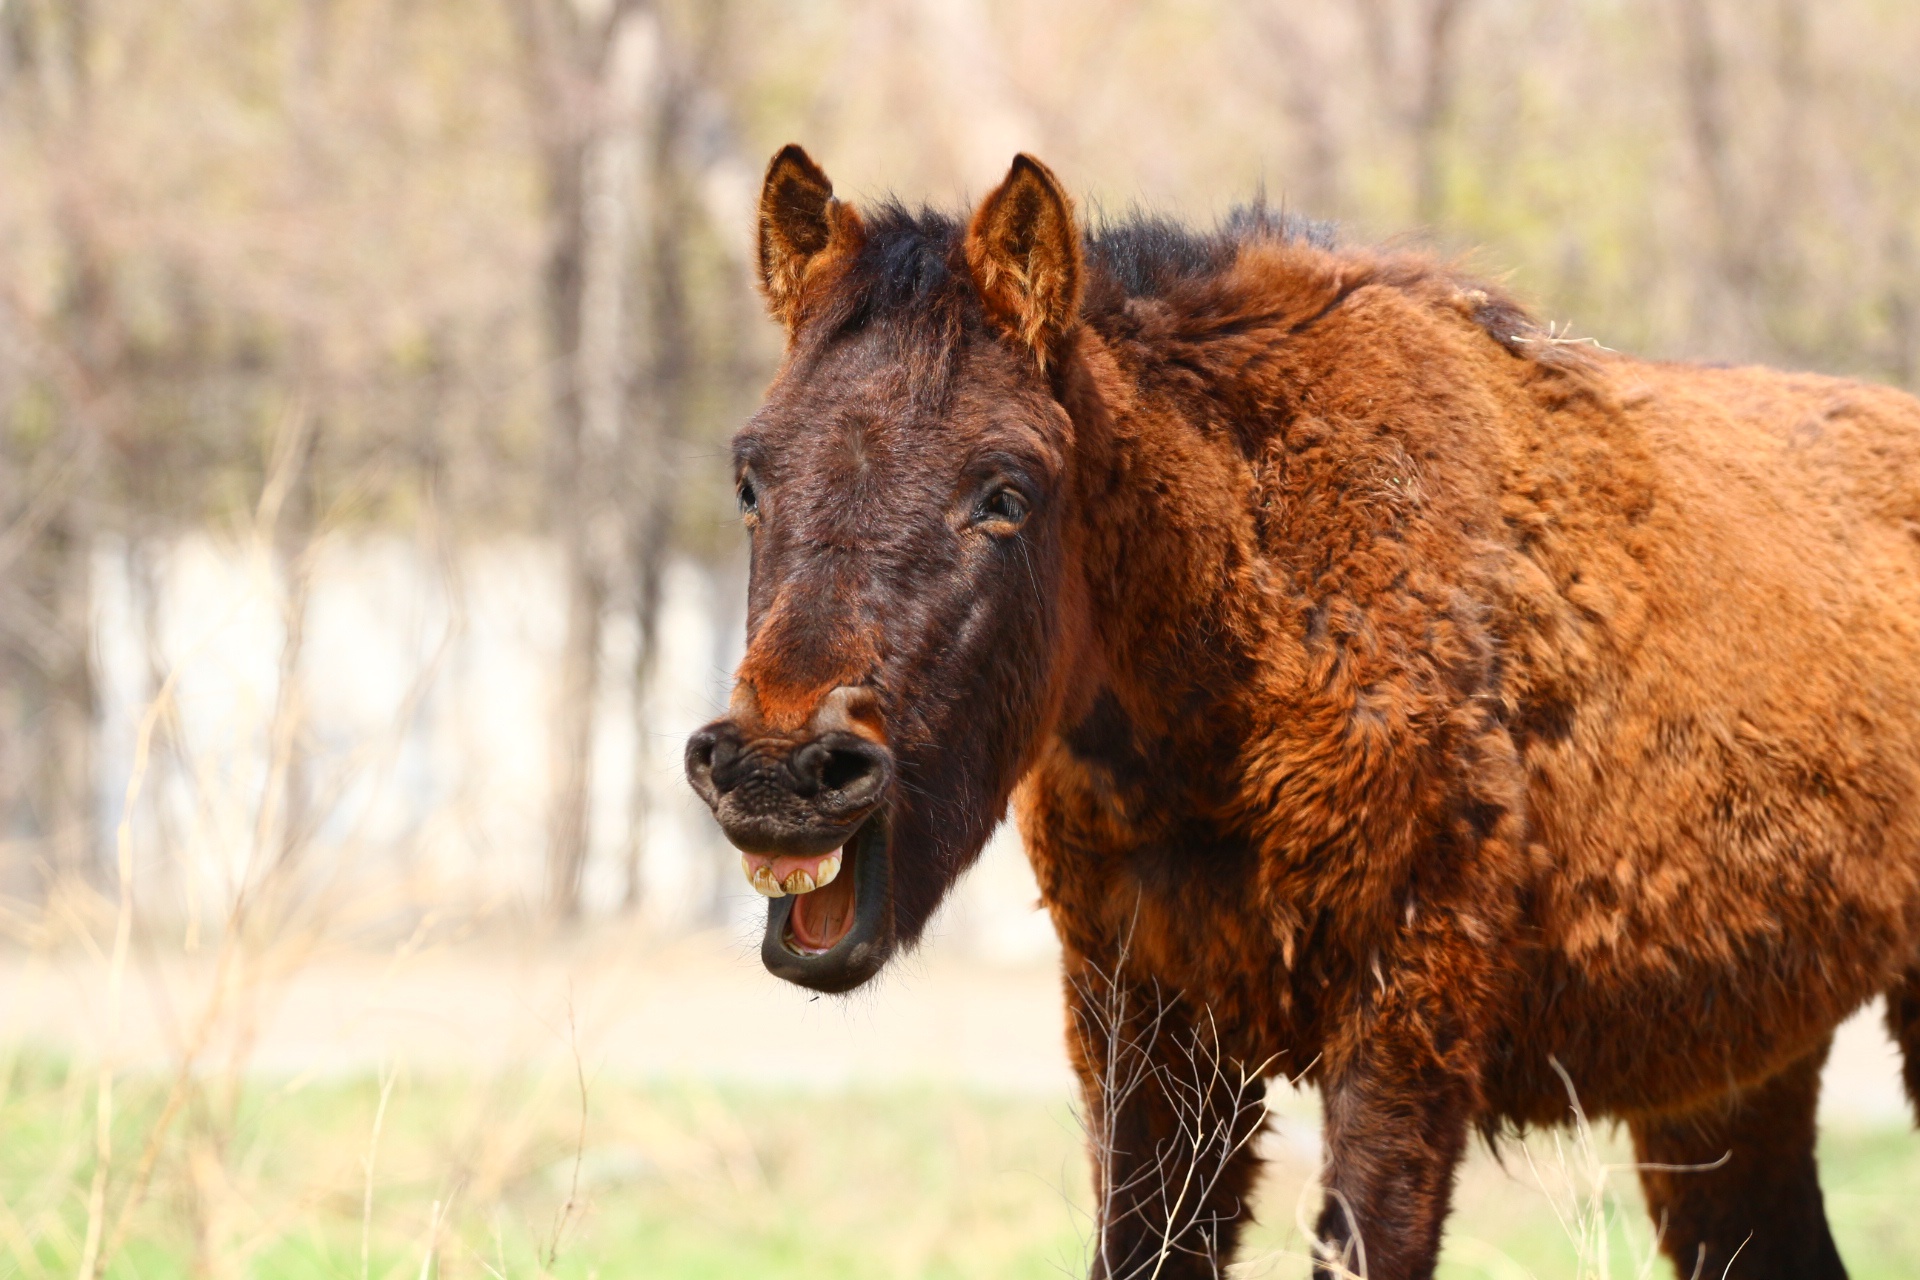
point(830, 951)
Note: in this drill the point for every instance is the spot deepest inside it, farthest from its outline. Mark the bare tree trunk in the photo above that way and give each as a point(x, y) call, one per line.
point(1701, 75)
point(1903, 308)
point(1417, 88)
point(571, 775)
point(588, 81)
point(658, 418)
point(145, 589)
point(570, 770)
point(1726, 311)
point(976, 109)
point(285, 819)
point(67, 712)
point(50, 595)
point(47, 692)
point(1432, 109)
point(1301, 88)
point(1784, 295)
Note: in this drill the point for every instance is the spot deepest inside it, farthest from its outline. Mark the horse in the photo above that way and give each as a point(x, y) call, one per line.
point(1393, 695)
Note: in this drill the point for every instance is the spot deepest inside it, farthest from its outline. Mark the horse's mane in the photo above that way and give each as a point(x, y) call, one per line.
point(911, 259)
point(911, 276)
point(1143, 255)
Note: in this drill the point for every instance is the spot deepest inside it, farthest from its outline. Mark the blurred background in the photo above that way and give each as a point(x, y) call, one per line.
point(367, 551)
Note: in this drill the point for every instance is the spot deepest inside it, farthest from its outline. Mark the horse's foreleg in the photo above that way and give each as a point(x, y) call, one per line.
point(1171, 1119)
point(1395, 1128)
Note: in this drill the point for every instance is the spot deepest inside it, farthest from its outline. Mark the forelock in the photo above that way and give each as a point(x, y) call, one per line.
point(909, 284)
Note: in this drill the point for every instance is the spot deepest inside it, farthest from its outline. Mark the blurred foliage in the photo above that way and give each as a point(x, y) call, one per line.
point(335, 203)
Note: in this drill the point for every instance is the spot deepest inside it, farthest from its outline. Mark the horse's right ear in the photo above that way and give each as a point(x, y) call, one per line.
point(799, 221)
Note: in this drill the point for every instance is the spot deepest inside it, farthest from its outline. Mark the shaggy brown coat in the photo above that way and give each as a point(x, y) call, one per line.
point(1417, 705)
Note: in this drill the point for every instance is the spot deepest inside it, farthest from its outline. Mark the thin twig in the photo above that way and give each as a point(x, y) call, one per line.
point(565, 1216)
point(373, 1151)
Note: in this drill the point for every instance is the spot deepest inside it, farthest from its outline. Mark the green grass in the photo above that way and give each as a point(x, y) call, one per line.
point(473, 1177)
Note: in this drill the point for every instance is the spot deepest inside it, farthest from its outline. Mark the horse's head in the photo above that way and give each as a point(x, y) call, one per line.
point(910, 606)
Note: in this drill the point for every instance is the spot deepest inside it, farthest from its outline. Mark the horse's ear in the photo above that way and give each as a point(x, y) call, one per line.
point(799, 221)
point(1024, 252)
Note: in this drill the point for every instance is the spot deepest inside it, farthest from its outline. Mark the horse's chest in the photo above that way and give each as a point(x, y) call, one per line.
point(1172, 891)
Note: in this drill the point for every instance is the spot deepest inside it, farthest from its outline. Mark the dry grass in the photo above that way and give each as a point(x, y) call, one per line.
point(403, 1175)
point(407, 1176)
point(124, 1162)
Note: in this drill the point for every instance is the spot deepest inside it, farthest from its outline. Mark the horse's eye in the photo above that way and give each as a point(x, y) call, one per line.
point(1003, 506)
point(749, 500)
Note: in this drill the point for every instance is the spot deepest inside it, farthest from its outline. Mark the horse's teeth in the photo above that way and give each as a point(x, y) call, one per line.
point(762, 877)
point(799, 882)
point(829, 868)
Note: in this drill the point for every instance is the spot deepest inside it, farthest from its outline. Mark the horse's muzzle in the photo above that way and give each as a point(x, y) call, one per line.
point(808, 809)
point(782, 796)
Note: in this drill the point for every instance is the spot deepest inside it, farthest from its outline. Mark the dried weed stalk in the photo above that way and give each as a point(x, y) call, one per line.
point(1152, 1048)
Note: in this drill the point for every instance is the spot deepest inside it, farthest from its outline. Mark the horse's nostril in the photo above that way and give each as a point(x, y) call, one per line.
point(840, 768)
point(844, 771)
point(700, 752)
point(709, 752)
point(808, 766)
point(844, 768)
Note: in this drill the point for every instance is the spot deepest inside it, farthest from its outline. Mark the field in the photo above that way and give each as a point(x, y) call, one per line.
point(447, 1177)
point(623, 1111)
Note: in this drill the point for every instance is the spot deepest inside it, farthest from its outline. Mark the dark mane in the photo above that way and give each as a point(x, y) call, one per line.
point(1143, 255)
point(911, 262)
point(911, 275)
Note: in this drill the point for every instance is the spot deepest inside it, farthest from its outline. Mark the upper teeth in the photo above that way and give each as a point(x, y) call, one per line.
point(799, 880)
point(762, 877)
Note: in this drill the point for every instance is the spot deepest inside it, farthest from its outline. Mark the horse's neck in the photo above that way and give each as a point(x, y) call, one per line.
point(1171, 564)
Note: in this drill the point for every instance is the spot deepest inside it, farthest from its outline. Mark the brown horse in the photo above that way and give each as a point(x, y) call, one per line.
point(1391, 695)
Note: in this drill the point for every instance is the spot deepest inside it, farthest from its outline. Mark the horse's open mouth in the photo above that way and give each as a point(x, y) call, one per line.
point(831, 935)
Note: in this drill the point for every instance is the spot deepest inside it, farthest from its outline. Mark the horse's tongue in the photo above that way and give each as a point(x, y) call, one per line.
point(821, 918)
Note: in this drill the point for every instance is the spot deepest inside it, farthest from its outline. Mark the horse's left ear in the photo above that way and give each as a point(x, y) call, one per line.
point(1024, 252)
